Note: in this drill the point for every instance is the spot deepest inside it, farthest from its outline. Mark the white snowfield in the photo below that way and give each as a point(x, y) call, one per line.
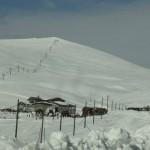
point(50, 67)
point(116, 131)
point(53, 67)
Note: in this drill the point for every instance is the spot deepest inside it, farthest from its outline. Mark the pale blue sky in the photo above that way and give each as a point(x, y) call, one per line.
point(121, 27)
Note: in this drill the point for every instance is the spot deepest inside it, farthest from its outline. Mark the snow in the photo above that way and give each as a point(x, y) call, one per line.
point(125, 130)
point(96, 140)
point(70, 71)
point(53, 67)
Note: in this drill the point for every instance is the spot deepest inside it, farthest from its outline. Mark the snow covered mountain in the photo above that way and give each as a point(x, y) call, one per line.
point(53, 67)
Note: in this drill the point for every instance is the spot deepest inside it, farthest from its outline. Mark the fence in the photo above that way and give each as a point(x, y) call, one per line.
point(20, 68)
point(109, 104)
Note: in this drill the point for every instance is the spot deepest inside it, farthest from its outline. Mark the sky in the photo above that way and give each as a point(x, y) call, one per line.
point(120, 27)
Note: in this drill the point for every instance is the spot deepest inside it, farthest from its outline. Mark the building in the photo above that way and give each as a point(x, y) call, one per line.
point(90, 111)
point(54, 105)
point(64, 108)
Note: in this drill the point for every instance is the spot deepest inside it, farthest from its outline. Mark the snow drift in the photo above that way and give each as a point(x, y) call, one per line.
point(114, 139)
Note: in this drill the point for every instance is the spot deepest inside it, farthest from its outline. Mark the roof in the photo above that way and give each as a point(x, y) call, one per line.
point(35, 99)
point(42, 103)
point(39, 99)
point(56, 99)
point(64, 104)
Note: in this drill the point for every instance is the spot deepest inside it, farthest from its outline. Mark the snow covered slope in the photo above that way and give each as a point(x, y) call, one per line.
point(53, 67)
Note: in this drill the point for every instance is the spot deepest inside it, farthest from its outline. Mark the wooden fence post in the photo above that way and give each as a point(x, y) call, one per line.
point(112, 105)
point(60, 120)
point(44, 135)
point(115, 106)
point(107, 102)
point(85, 115)
point(94, 112)
point(3, 76)
point(41, 140)
point(102, 100)
point(18, 68)
point(10, 71)
point(102, 106)
point(17, 117)
point(74, 126)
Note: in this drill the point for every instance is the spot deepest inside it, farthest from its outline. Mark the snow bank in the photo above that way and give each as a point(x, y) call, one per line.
point(113, 139)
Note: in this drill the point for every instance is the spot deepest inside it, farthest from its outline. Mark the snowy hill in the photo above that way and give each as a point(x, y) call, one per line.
point(53, 67)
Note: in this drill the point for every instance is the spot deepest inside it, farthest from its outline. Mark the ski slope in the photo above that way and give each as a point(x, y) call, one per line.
point(53, 67)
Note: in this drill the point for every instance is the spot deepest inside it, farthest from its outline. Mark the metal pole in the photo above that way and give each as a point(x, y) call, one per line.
point(17, 117)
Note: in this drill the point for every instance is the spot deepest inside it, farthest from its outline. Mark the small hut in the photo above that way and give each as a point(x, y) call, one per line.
point(90, 111)
point(67, 110)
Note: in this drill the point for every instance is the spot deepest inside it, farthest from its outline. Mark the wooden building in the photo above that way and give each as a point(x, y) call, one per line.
point(54, 105)
point(90, 111)
point(41, 107)
point(67, 110)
